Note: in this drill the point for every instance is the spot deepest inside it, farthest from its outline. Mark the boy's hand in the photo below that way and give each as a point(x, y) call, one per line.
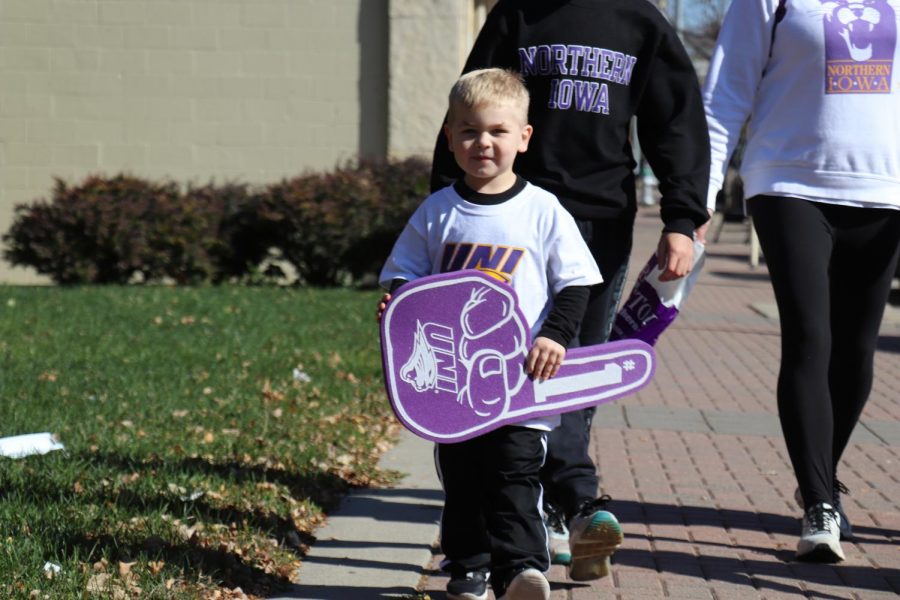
point(675, 256)
point(544, 358)
point(382, 306)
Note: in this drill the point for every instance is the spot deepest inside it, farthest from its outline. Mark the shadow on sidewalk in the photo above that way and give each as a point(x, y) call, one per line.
point(758, 573)
point(763, 575)
point(742, 275)
point(341, 592)
point(360, 563)
point(888, 343)
point(400, 505)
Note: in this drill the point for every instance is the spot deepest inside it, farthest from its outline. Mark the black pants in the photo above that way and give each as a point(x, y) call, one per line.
point(569, 475)
point(831, 268)
point(492, 507)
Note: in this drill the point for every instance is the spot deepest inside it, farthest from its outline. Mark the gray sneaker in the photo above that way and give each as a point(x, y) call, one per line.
point(529, 584)
point(820, 538)
point(594, 535)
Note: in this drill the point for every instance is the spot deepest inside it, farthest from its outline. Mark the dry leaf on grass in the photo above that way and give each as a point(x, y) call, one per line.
point(125, 568)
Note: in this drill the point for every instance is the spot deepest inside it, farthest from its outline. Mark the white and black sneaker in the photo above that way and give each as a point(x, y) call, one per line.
point(839, 488)
point(820, 538)
point(468, 586)
point(557, 536)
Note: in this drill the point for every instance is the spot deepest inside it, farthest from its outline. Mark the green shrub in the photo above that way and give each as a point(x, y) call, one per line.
point(402, 185)
point(100, 231)
point(332, 228)
point(234, 246)
point(340, 226)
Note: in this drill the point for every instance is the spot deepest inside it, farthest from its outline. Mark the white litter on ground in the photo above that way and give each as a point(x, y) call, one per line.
point(51, 568)
point(19, 446)
point(301, 376)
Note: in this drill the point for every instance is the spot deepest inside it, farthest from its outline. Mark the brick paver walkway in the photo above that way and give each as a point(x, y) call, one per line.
point(698, 470)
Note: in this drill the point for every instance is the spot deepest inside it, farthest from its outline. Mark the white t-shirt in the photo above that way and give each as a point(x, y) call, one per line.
point(529, 238)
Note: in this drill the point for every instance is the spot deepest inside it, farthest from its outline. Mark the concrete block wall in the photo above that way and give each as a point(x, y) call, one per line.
point(429, 42)
point(192, 90)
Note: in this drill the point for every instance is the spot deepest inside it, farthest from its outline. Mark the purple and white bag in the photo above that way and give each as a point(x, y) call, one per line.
point(653, 304)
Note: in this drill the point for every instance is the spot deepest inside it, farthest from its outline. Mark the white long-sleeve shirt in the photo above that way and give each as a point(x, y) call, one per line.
point(824, 109)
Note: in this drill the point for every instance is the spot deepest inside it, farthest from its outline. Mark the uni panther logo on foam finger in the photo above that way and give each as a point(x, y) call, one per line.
point(453, 351)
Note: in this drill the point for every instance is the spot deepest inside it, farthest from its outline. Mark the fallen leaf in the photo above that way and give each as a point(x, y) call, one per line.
point(155, 566)
point(270, 394)
point(98, 583)
point(186, 533)
point(125, 568)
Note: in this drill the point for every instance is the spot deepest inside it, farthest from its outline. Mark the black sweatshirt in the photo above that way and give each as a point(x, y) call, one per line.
point(590, 65)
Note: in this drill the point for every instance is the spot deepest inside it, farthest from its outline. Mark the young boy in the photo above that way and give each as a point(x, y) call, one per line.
point(491, 527)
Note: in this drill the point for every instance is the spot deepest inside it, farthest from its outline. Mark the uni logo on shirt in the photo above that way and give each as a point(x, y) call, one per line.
point(497, 260)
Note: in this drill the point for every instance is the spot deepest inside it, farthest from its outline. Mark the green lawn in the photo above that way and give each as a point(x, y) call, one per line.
point(197, 460)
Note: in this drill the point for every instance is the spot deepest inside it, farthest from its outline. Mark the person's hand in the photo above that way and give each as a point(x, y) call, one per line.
point(700, 232)
point(382, 306)
point(674, 255)
point(544, 358)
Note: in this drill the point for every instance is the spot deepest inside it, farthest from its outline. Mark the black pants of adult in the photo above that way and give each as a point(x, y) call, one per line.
point(569, 475)
point(492, 506)
point(831, 268)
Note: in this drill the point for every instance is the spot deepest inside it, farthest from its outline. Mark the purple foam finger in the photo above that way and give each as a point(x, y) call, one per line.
point(453, 352)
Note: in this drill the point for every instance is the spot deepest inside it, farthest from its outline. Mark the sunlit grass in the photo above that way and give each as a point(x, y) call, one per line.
point(198, 458)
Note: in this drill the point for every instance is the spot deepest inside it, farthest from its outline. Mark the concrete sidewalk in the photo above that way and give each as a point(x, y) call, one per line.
point(695, 463)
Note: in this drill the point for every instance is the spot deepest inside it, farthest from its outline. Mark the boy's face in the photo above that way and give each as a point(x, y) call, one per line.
point(485, 141)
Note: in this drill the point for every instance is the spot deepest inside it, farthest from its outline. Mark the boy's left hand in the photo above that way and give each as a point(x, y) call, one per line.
point(544, 358)
point(382, 306)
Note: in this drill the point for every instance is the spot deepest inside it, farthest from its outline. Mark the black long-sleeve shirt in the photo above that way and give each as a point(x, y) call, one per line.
point(590, 66)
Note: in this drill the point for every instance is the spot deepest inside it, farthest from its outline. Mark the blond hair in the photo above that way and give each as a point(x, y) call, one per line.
point(489, 87)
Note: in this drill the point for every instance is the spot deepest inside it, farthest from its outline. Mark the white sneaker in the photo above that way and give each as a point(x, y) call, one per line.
point(820, 539)
point(529, 584)
point(839, 488)
point(593, 537)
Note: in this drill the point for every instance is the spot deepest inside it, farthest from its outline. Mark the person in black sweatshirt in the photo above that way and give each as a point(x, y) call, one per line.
point(590, 67)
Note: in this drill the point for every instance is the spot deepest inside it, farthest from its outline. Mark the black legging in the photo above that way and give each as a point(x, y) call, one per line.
point(831, 268)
